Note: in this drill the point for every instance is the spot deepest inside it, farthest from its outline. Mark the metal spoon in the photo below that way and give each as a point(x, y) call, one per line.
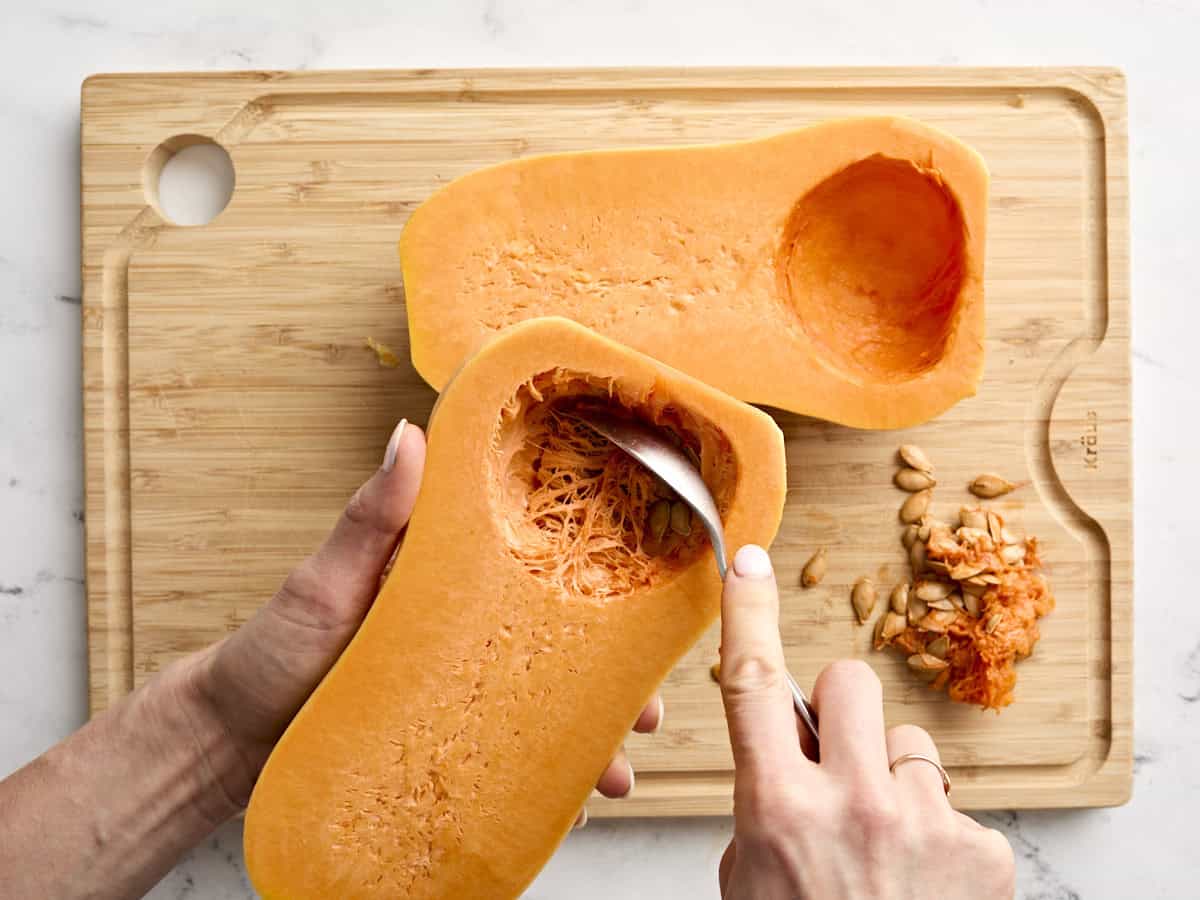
point(670, 464)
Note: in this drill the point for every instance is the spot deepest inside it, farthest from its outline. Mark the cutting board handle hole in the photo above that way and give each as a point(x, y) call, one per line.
point(188, 179)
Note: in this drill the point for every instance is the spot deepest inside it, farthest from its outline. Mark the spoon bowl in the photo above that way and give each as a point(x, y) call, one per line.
point(671, 464)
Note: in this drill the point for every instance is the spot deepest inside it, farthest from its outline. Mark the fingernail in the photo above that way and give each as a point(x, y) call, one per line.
point(580, 820)
point(393, 447)
point(632, 781)
point(662, 714)
point(752, 562)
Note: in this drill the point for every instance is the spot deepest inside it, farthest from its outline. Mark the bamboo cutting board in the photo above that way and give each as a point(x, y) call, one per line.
point(231, 406)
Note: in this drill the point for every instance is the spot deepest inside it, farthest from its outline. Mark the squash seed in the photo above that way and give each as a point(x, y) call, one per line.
point(893, 625)
point(938, 620)
point(932, 590)
point(945, 604)
point(915, 458)
point(660, 518)
point(957, 600)
point(1008, 537)
point(662, 489)
point(973, 517)
point(989, 486)
point(938, 647)
point(814, 569)
point(715, 672)
point(910, 536)
point(681, 518)
point(926, 662)
point(1013, 554)
point(963, 570)
point(992, 623)
point(877, 641)
point(917, 610)
point(915, 506)
point(899, 598)
point(938, 567)
point(970, 535)
point(672, 542)
point(916, 556)
point(863, 599)
point(994, 526)
point(925, 530)
point(972, 603)
point(973, 587)
point(913, 480)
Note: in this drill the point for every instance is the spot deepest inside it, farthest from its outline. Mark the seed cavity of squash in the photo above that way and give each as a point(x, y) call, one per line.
point(581, 514)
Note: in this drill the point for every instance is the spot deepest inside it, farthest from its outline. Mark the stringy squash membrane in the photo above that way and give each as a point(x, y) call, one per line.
point(574, 508)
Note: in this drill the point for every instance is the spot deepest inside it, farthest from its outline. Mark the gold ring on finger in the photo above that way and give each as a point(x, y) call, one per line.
point(918, 757)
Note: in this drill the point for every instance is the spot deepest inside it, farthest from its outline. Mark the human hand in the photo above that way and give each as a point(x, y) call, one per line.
point(257, 679)
point(845, 827)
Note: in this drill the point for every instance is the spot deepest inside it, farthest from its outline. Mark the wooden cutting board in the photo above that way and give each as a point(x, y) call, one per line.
point(231, 405)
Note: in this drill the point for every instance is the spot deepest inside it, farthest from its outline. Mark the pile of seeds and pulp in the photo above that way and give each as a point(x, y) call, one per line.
point(972, 609)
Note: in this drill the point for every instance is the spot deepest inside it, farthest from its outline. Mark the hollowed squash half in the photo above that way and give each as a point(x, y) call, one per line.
point(834, 271)
point(529, 615)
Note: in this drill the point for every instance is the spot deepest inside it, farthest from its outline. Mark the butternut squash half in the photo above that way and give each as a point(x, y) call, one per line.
point(530, 613)
point(835, 271)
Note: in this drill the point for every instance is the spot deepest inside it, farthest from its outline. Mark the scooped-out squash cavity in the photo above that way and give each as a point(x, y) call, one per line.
point(529, 615)
point(835, 271)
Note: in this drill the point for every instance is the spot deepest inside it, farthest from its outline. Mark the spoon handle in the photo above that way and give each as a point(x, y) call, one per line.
point(803, 708)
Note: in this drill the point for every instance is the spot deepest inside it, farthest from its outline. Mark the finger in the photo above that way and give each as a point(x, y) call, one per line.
point(921, 782)
point(273, 661)
point(758, 706)
point(849, 702)
point(725, 869)
point(617, 780)
point(362, 541)
point(651, 717)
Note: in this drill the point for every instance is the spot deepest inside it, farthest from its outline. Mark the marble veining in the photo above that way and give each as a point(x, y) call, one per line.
point(1145, 849)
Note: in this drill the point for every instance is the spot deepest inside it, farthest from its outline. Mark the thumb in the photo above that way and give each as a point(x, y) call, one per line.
point(345, 570)
point(758, 706)
point(260, 675)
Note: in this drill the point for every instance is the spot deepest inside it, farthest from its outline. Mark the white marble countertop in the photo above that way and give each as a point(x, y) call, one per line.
point(1145, 849)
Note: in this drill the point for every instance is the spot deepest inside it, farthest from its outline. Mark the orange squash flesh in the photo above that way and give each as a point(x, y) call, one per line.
point(526, 620)
point(835, 271)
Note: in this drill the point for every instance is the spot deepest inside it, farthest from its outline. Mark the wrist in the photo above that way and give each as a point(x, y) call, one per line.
point(225, 770)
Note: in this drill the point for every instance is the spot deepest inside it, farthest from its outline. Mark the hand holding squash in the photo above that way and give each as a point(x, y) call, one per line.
point(258, 678)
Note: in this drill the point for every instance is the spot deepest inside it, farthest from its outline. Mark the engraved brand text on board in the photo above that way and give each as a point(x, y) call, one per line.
point(1090, 441)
